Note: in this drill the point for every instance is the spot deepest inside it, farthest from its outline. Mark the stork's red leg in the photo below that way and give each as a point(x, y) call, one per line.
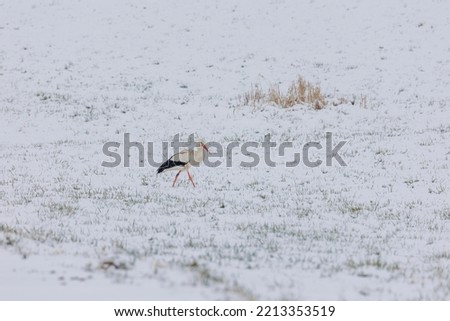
point(175, 180)
point(190, 178)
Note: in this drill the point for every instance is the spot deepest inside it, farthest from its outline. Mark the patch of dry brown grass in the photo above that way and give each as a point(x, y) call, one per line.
point(254, 97)
point(300, 92)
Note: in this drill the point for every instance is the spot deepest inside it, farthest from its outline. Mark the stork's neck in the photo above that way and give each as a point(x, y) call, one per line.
point(198, 154)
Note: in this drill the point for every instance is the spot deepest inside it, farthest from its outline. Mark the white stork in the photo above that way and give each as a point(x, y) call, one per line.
point(183, 160)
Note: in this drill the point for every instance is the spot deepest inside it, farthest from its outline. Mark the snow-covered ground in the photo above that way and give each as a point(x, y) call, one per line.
point(77, 74)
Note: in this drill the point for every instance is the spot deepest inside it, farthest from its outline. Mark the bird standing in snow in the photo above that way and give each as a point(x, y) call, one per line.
point(183, 160)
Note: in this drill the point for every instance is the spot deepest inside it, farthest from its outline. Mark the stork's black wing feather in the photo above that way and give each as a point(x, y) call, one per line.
point(169, 164)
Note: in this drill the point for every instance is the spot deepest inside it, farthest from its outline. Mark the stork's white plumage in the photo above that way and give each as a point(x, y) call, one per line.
point(183, 160)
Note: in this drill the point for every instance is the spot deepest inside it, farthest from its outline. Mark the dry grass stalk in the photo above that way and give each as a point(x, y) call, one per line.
point(363, 101)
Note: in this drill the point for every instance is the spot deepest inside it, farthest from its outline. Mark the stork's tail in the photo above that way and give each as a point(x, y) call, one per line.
point(168, 165)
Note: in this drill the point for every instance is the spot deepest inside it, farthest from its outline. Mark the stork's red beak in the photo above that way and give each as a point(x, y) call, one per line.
point(204, 146)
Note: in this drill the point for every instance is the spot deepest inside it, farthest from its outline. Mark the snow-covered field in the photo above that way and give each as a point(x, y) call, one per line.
point(77, 74)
